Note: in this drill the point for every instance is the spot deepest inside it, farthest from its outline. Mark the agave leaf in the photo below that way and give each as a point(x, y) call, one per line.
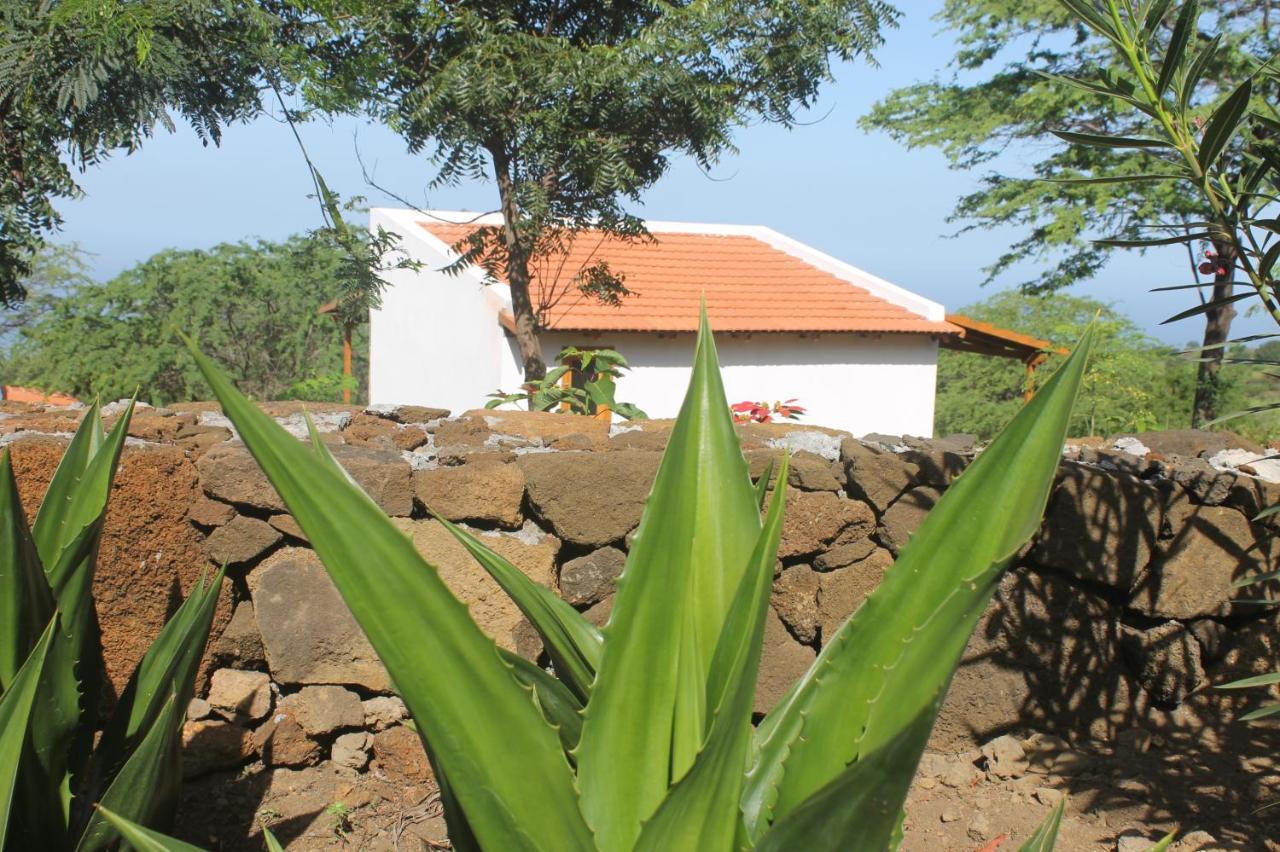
point(1046, 836)
point(701, 811)
point(762, 484)
point(1163, 843)
point(26, 602)
point(144, 839)
point(53, 517)
point(877, 685)
point(646, 719)
point(468, 706)
point(273, 845)
point(573, 643)
point(145, 790)
point(168, 667)
point(1258, 680)
point(1262, 712)
point(560, 707)
point(15, 713)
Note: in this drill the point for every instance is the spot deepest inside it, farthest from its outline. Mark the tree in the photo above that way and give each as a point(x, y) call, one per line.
point(1132, 383)
point(80, 79)
point(1024, 49)
point(254, 305)
point(574, 108)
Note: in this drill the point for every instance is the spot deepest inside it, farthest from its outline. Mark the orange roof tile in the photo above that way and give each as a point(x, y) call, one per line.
point(750, 286)
point(13, 393)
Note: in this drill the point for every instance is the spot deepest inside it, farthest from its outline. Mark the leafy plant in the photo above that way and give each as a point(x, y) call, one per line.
point(763, 412)
point(584, 384)
point(56, 762)
point(1226, 156)
point(640, 739)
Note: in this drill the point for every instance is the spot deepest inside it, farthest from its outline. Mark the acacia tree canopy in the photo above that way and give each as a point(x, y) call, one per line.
point(572, 108)
point(253, 307)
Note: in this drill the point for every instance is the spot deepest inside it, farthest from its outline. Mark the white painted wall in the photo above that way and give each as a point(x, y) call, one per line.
point(861, 383)
point(436, 341)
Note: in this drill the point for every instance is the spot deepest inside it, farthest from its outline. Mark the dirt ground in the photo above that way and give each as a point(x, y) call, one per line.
point(1124, 797)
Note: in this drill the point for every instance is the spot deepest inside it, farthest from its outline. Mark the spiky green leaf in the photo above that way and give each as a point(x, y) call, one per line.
point(15, 714)
point(1046, 836)
point(26, 602)
point(144, 839)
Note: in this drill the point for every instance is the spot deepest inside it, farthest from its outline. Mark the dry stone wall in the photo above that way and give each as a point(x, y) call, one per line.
point(1121, 613)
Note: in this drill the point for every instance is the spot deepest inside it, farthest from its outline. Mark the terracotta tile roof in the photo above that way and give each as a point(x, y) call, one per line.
point(750, 286)
point(13, 393)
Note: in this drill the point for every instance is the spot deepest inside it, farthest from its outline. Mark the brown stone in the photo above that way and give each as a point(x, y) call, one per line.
point(1192, 574)
point(599, 614)
point(1165, 660)
point(795, 598)
point(212, 745)
point(1099, 526)
point(938, 463)
point(228, 473)
point(240, 645)
point(198, 440)
point(643, 435)
point(150, 557)
point(281, 741)
point(239, 693)
point(366, 430)
point(398, 751)
point(876, 476)
point(309, 634)
point(782, 662)
point(409, 413)
point(905, 516)
point(322, 710)
point(480, 492)
point(288, 525)
point(209, 513)
point(845, 554)
point(242, 540)
point(592, 499)
point(470, 583)
point(843, 591)
point(1045, 655)
point(1205, 483)
point(588, 579)
point(539, 426)
point(383, 474)
point(810, 472)
point(815, 519)
point(1192, 443)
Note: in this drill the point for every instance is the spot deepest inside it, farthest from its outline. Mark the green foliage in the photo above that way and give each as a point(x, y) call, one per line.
point(80, 79)
point(58, 761)
point(255, 305)
point(592, 376)
point(572, 110)
point(664, 693)
point(1005, 92)
point(1132, 384)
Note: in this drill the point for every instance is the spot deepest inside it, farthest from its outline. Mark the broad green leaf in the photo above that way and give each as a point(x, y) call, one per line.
point(890, 664)
point(146, 789)
point(762, 484)
point(26, 602)
point(144, 839)
point(15, 713)
point(52, 518)
point(1222, 125)
point(1099, 141)
point(1182, 31)
point(468, 706)
point(560, 707)
point(647, 715)
point(701, 810)
point(1046, 836)
point(572, 642)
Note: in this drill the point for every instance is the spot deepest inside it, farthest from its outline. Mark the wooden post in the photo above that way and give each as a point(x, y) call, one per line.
point(1032, 362)
point(346, 363)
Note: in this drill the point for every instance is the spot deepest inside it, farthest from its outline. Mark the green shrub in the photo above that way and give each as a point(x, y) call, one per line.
point(56, 763)
point(641, 739)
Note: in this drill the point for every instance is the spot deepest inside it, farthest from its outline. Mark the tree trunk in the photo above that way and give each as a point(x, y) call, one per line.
point(1217, 330)
point(517, 263)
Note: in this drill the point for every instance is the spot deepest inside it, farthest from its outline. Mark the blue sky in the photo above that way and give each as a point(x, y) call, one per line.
point(860, 197)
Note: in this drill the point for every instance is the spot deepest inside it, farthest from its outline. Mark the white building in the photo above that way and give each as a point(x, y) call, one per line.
point(791, 322)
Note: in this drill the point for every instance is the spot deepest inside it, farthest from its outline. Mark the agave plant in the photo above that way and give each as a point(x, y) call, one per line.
point(643, 737)
point(56, 761)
